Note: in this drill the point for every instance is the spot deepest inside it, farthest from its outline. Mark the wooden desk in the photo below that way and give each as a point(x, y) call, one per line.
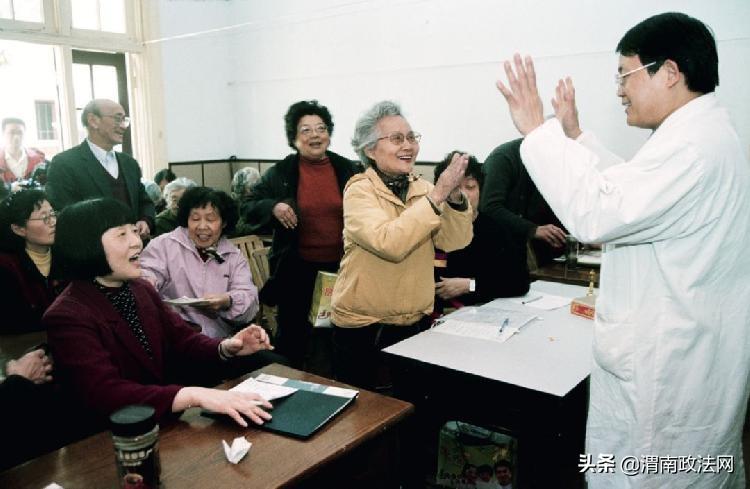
point(192, 456)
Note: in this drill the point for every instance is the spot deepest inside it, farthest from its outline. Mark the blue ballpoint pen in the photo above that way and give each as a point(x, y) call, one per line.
point(502, 326)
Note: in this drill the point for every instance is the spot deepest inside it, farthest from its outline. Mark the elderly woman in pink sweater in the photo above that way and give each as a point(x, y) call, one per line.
point(196, 260)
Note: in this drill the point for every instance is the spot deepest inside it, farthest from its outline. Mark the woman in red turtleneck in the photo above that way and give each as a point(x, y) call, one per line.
point(301, 197)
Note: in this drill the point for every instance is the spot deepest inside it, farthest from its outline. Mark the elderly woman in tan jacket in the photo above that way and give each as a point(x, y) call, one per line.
point(393, 221)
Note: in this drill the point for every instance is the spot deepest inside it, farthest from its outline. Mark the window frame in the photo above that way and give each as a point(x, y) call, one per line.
point(143, 65)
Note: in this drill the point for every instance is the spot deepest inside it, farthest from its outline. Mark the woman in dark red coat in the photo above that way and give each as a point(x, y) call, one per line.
point(27, 231)
point(116, 343)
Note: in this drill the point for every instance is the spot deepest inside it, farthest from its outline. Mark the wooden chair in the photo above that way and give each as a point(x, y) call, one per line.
point(261, 270)
point(247, 244)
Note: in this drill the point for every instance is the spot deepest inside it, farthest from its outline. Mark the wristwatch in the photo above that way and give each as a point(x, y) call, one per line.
point(472, 285)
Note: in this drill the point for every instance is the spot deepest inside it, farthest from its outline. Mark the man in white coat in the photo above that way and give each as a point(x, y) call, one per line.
point(669, 384)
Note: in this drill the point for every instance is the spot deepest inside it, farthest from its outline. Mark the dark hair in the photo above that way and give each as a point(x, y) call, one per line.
point(484, 469)
point(300, 109)
point(200, 197)
point(164, 174)
point(678, 37)
point(503, 463)
point(13, 120)
point(16, 209)
point(474, 169)
point(78, 245)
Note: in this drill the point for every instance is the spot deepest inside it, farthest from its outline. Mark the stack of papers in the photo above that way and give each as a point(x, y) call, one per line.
point(484, 323)
point(267, 391)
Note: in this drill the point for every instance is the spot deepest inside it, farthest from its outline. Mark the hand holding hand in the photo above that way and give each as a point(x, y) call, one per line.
point(35, 366)
point(564, 103)
point(551, 234)
point(448, 288)
point(234, 404)
point(247, 341)
point(285, 215)
point(523, 97)
point(449, 181)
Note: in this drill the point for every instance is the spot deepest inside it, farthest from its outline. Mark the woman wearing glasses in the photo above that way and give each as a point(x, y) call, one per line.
point(392, 223)
point(301, 198)
point(27, 231)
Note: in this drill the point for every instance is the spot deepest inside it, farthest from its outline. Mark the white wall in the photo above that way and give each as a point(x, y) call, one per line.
point(199, 107)
point(439, 59)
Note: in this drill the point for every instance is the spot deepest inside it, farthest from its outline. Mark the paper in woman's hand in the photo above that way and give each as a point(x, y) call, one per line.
point(187, 301)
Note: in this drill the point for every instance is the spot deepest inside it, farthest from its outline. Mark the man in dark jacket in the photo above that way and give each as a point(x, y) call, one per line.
point(93, 169)
point(510, 197)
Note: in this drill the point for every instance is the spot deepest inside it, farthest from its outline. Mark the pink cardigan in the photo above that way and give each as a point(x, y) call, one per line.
point(172, 264)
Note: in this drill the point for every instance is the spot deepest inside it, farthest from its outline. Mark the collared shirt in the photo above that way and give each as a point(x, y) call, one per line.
point(106, 158)
point(17, 166)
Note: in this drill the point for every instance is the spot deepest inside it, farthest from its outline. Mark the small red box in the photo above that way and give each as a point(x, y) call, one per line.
point(584, 306)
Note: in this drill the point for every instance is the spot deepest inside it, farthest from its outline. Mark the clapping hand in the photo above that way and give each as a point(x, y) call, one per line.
point(247, 341)
point(522, 95)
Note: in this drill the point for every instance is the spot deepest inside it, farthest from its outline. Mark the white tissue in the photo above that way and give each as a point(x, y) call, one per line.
point(53, 485)
point(240, 447)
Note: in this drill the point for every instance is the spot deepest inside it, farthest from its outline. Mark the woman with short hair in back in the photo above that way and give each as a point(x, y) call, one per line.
point(301, 198)
point(196, 260)
point(27, 231)
point(166, 220)
point(116, 343)
point(243, 182)
point(393, 220)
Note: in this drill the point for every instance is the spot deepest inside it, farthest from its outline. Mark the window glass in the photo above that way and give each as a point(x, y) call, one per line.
point(85, 14)
point(45, 119)
point(99, 15)
point(28, 10)
point(6, 10)
point(112, 15)
point(29, 76)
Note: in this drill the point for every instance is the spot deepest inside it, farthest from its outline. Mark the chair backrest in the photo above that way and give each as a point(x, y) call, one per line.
point(247, 244)
point(260, 266)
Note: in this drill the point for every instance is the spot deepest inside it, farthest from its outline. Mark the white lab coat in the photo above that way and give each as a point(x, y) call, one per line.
point(672, 331)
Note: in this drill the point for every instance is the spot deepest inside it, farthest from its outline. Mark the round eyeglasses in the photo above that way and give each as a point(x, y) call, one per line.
point(620, 77)
point(398, 138)
point(47, 219)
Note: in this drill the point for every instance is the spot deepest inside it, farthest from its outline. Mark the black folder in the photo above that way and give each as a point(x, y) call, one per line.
point(300, 414)
point(303, 413)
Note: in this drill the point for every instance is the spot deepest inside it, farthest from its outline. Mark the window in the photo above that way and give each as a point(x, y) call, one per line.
point(29, 92)
point(99, 15)
point(45, 119)
point(46, 84)
point(22, 10)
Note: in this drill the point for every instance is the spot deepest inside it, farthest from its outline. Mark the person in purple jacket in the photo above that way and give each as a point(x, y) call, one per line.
point(116, 343)
point(196, 260)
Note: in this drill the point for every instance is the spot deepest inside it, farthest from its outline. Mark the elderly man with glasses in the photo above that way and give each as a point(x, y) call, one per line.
point(94, 169)
point(672, 333)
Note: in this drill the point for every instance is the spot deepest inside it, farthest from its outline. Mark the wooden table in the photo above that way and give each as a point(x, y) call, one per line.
point(361, 438)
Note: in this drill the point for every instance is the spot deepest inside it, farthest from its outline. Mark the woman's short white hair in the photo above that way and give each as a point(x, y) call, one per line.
point(177, 184)
point(243, 180)
point(366, 129)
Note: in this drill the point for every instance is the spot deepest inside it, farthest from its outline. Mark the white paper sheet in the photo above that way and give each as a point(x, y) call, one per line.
point(187, 301)
point(267, 391)
point(492, 324)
